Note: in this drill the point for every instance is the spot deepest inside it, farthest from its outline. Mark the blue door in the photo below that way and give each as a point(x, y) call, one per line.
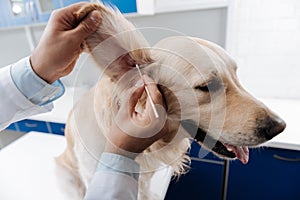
point(204, 180)
point(270, 174)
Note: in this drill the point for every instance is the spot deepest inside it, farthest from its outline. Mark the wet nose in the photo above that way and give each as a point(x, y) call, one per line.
point(272, 127)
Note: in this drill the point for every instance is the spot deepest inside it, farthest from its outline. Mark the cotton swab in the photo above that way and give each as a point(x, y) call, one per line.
point(148, 93)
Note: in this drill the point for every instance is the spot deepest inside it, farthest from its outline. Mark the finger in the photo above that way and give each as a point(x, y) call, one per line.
point(87, 26)
point(75, 7)
point(69, 13)
point(69, 68)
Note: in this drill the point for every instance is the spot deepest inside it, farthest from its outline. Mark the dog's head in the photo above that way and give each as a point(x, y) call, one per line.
point(207, 96)
point(197, 79)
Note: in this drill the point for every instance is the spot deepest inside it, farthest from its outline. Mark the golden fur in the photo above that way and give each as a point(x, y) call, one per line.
point(178, 65)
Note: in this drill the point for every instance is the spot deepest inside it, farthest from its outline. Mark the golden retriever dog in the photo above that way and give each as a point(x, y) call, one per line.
point(203, 97)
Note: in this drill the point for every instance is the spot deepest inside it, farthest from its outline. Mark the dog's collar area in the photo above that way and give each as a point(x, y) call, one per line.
point(205, 140)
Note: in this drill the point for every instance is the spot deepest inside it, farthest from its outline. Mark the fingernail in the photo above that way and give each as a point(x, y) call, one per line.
point(139, 83)
point(95, 17)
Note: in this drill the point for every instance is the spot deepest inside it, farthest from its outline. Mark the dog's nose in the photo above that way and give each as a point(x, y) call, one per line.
point(271, 127)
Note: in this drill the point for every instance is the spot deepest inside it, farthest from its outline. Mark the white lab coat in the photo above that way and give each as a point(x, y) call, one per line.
point(15, 106)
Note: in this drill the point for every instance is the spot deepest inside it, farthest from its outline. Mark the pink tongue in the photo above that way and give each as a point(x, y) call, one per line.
point(241, 152)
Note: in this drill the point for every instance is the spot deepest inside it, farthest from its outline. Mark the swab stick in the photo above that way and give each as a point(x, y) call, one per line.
point(148, 93)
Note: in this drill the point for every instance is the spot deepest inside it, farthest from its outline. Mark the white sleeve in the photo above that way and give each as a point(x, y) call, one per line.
point(116, 177)
point(14, 105)
point(107, 185)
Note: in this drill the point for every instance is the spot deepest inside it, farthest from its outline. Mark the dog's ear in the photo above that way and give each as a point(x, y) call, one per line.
point(117, 45)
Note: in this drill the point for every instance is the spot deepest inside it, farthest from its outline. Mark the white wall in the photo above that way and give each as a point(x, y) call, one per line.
point(13, 46)
point(209, 24)
point(205, 23)
point(264, 38)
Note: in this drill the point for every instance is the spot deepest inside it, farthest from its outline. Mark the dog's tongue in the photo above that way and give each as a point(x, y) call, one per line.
point(241, 152)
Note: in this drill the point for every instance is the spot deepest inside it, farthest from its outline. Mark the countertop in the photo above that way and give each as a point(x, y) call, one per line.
point(27, 169)
point(287, 109)
point(63, 105)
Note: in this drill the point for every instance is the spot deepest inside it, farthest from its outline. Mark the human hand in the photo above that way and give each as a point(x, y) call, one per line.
point(61, 43)
point(132, 132)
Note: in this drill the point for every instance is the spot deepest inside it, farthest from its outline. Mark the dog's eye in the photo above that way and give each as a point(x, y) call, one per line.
point(212, 86)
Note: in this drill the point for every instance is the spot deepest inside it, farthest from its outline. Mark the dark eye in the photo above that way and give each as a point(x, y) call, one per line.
point(212, 86)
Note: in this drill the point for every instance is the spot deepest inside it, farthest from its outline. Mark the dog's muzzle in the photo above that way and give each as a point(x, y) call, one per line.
point(206, 141)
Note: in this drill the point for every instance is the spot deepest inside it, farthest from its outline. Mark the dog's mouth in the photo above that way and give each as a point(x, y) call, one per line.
point(222, 150)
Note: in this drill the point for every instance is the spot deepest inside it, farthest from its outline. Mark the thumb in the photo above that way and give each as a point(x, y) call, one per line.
point(88, 25)
point(135, 96)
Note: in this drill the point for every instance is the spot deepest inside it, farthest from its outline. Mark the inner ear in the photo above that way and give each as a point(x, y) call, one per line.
point(123, 64)
point(116, 59)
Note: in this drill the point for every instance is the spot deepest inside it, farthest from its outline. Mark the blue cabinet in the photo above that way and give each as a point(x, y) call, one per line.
point(270, 174)
point(32, 125)
point(203, 181)
point(125, 6)
point(57, 128)
point(12, 127)
point(28, 125)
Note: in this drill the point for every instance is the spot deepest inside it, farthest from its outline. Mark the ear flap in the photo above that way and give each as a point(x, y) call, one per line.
point(116, 46)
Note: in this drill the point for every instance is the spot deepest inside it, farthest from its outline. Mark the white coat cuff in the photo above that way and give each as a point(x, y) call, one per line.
point(118, 163)
point(32, 86)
